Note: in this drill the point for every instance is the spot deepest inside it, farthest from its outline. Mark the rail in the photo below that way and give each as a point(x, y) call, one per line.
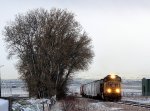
point(133, 103)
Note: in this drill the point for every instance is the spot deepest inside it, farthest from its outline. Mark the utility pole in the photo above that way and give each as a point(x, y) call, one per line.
point(0, 81)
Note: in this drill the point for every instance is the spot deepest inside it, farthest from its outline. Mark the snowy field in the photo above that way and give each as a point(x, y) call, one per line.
point(16, 92)
point(14, 87)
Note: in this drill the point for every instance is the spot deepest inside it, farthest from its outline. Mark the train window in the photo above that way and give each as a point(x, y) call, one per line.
point(113, 84)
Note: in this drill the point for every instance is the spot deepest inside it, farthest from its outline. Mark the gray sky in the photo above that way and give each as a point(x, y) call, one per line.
point(120, 30)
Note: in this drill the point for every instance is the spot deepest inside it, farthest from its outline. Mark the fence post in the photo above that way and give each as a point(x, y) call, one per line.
point(10, 103)
point(43, 106)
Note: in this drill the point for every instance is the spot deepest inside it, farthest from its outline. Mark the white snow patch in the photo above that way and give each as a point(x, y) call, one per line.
point(31, 104)
point(116, 109)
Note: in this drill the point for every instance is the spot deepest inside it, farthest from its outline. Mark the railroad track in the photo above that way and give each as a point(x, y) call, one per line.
point(133, 103)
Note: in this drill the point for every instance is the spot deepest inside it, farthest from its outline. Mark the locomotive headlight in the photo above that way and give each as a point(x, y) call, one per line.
point(109, 90)
point(117, 90)
point(112, 76)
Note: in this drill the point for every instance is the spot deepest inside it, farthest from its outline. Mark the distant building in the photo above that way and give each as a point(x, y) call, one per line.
point(145, 87)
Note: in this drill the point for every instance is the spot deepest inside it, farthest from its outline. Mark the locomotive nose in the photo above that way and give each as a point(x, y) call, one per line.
point(110, 90)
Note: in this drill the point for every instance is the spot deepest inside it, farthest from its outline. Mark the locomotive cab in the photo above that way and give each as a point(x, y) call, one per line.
point(112, 88)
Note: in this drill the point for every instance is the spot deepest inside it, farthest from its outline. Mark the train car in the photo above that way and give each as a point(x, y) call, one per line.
point(108, 88)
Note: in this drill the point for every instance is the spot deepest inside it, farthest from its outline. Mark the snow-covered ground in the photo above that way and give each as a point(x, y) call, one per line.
point(28, 105)
point(140, 99)
point(33, 104)
point(80, 104)
point(85, 104)
point(3, 105)
point(102, 106)
point(99, 106)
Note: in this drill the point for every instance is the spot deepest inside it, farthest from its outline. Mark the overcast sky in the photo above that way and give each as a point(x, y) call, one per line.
point(120, 32)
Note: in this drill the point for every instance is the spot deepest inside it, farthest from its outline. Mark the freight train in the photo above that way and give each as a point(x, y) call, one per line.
point(108, 88)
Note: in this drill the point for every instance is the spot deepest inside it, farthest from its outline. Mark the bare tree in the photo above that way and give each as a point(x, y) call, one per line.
point(51, 47)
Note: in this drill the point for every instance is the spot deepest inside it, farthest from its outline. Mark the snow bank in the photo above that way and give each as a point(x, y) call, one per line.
point(33, 104)
point(4, 105)
point(29, 104)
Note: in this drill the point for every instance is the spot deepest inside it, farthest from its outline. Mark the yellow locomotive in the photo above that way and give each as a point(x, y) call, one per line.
point(108, 88)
